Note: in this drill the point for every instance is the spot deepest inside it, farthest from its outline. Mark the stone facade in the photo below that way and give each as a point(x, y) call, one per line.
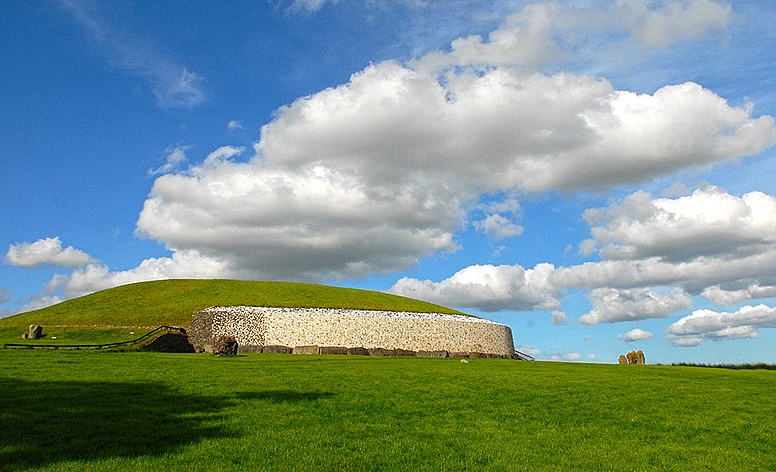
point(350, 330)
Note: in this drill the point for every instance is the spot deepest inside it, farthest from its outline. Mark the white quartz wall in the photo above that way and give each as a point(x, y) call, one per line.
point(292, 327)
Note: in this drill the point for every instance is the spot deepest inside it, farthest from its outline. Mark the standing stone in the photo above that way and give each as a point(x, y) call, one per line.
point(623, 359)
point(641, 357)
point(35, 332)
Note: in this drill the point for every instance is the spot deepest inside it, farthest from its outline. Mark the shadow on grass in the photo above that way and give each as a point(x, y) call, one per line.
point(47, 422)
point(283, 396)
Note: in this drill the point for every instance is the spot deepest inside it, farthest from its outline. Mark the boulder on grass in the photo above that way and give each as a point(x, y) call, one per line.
point(35, 332)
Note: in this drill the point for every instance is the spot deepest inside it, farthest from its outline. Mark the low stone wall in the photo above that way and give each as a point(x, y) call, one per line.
point(257, 327)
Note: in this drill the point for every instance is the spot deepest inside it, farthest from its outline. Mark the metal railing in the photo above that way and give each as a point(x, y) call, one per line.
point(523, 356)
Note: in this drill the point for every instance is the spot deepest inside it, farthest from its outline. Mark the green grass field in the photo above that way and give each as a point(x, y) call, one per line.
point(98, 410)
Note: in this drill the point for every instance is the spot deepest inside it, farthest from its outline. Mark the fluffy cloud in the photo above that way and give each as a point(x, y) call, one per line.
point(613, 305)
point(47, 251)
point(733, 293)
point(502, 129)
point(635, 335)
point(498, 227)
point(182, 264)
point(542, 33)
point(702, 325)
point(708, 223)
point(374, 174)
point(490, 288)
point(234, 124)
point(726, 253)
point(303, 225)
point(710, 241)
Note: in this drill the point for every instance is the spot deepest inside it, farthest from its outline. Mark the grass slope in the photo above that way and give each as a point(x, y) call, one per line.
point(152, 411)
point(171, 302)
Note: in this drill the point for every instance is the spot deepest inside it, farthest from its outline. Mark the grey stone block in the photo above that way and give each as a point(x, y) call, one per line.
point(378, 351)
point(308, 350)
point(334, 350)
point(433, 354)
point(276, 349)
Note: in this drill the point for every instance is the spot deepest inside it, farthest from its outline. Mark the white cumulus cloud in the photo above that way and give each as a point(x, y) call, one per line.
point(635, 335)
point(490, 288)
point(498, 227)
point(182, 264)
point(612, 305)
point(46, 251)
point(726, 253)
point(745, 290)
point(705, 324)
point(708, 223)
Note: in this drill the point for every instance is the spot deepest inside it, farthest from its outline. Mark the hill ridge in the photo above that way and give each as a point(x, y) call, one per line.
point(173, 301)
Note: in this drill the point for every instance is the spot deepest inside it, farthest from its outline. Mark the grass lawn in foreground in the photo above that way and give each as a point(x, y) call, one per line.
point(67, 410)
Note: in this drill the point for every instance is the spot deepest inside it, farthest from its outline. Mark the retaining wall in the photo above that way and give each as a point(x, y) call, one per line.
point(255, 328)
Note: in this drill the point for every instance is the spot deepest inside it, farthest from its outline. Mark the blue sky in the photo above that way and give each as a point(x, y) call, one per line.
point(597, 175)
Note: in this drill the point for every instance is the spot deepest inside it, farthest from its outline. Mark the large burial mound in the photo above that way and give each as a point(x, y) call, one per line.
point(291, 316)
point(172, 302)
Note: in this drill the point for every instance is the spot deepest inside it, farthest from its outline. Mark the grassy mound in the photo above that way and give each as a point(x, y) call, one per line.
point(171, 302)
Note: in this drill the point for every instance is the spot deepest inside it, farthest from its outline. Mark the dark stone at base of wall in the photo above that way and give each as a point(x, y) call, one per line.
point(459, 354)
point(403, 353)
point(309, 350)
point(433, 354)
point(277, 350)
point(334, 350)
point(359, 351)
point(242, 348)
point(379, 352)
